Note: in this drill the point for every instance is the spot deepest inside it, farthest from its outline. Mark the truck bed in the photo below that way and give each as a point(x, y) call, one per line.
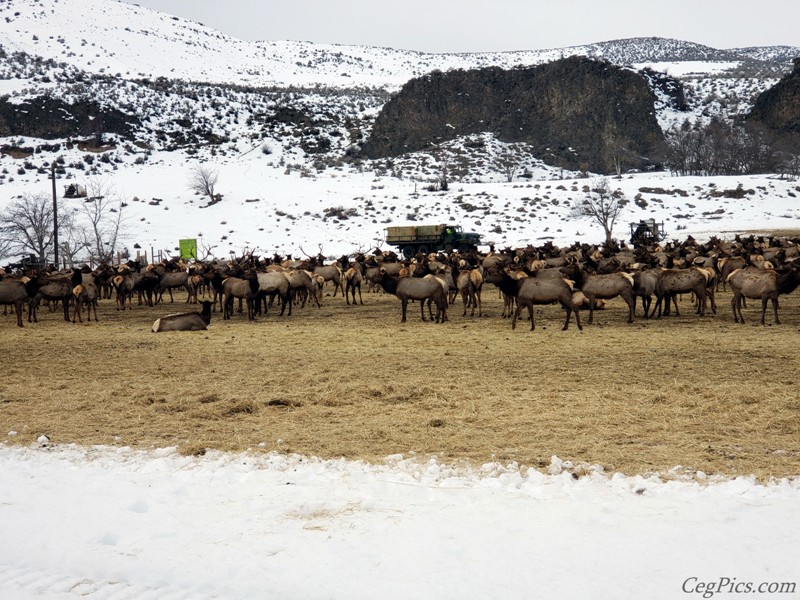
point(413, 233)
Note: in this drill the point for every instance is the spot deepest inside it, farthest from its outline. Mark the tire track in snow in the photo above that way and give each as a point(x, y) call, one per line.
point(22, 583)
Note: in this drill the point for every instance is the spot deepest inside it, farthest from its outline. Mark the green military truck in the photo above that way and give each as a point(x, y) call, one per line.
point(431, 238)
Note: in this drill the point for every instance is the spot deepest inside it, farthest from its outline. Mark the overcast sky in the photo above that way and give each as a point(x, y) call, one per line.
point(495, 25)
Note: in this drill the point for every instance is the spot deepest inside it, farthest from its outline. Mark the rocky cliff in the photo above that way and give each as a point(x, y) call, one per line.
point(49, 118)
point(778, 108)
point(576, 113)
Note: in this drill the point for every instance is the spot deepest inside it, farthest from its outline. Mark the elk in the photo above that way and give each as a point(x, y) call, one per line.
point(170, 280)
point(301, 282)
point(330, 273)
point(680, 281)
point(273, 283)
point(188, 321)
point(234, 287)
point(494, 275)
point(761, 284)
point(531, 290)
point(727, 265)
point(353, 278)
point(123, 284)
point(606, 287)
point(644, 287)
point(84, 293)
point(414, 288)
point(17, 293)
point(54, 288)
point(470, 283)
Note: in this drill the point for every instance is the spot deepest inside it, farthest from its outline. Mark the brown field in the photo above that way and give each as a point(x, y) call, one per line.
point(344, 381)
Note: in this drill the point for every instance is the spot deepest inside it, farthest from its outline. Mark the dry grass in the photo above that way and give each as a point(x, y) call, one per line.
point(351, 381)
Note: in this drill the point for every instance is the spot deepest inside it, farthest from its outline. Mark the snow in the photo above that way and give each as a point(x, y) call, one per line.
point(105, 522)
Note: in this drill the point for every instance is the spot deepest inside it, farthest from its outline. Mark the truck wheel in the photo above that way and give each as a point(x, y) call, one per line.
point(423, 249)
point(409, 252)
point(464, 248)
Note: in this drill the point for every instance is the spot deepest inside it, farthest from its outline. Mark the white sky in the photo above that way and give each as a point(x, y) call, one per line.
point(495, 25)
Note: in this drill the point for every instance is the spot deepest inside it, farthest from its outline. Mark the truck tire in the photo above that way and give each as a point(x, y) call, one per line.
point(464, 248)
point(423, 249)
point(408, 252)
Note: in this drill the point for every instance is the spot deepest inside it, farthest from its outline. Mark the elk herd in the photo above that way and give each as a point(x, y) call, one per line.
point(579, 277)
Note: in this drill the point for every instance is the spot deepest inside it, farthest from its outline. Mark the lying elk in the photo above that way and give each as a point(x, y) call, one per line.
point(189, 321)
point(530, 290)
point(415, 288)
point(760, 284)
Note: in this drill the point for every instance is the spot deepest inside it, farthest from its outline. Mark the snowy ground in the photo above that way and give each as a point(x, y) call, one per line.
point(117, 523)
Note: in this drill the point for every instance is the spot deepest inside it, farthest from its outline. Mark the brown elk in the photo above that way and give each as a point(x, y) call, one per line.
point(414, 288)
point(606, 287)
point(353, 278)
point(531, 290)
point(470, 283)
point(189, 321)
point(644, 287)
point(84, 293)
point(54, 288)
point(171, 280)
point(727, 265)
point(246, 289)
point(331, 273)
point(17, 293)
point(302, 283)
point(672, 282)
point(760, 284)
point(271, 284)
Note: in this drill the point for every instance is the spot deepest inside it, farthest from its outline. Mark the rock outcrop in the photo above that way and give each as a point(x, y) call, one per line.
point(576, 113)
point(778, 108)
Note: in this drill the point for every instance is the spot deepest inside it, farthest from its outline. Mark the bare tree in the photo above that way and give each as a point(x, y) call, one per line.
point(602, 206)
point(26, 227)
point(104, 220)
point(203, 180)
point(617, 152)
point(509, 160)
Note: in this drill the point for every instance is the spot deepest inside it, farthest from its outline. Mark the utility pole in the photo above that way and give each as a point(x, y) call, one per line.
point(55, 215)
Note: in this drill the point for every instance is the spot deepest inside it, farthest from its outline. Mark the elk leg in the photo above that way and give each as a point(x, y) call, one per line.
point(516, 316)
point(775, 309)
point(737, 309)
point(569, 315)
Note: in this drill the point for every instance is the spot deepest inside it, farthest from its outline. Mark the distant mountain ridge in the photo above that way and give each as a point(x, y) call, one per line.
point(111, 37)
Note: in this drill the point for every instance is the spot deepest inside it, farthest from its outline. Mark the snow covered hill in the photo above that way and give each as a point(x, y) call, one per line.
point(277, 120)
